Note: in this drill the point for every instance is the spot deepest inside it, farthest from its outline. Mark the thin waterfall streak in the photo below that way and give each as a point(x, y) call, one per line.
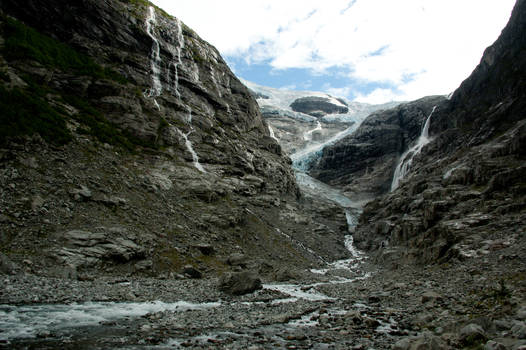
point(155, 56)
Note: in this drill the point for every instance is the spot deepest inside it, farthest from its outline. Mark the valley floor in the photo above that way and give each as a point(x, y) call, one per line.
point(354, 305)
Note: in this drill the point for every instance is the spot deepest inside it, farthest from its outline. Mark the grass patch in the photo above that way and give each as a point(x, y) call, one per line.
point(23, 42)
point(24, 112)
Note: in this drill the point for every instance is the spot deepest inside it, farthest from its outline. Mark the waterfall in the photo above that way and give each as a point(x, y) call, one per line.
point(173, 84)
point(406, 160)
point(272, 133)
point(155, 57)
point(308, 135)
point(177, 57)
point(190, 148)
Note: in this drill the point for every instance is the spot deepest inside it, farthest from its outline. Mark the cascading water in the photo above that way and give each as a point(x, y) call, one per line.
point(406, 160)
point(177, 62)
point(188, 144)
point(271, 131)
point(308, 135)
point(173, 82)
point(155, 58)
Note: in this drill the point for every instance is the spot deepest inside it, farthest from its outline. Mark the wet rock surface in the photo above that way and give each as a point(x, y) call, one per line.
point(363, 163)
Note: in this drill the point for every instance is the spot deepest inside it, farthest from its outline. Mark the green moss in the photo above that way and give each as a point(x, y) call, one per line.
point(138, 2)
point(163, 124)
point(26, 112)
point(23, 42)
point(95, 124)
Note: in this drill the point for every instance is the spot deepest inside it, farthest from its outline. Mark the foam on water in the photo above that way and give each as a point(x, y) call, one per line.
point(297, 291)
point(28, 321)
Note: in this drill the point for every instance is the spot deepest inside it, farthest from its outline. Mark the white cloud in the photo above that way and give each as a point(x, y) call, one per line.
point(435, 42)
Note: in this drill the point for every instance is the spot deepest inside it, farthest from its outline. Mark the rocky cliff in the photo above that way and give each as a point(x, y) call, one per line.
point(319, 106)
point(130, 146)
point(465, 195)
point(363, 163)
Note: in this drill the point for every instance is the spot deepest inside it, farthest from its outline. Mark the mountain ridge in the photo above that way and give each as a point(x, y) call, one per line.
point(166, 152)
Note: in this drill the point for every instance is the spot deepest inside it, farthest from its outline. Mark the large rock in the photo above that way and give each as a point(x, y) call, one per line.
point(240, 283)
point(318, 106)
point(424, 341)
point(472, 334)
point(87, 249)
point(7, 266)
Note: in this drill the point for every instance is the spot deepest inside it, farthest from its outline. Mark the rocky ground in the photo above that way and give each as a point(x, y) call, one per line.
point(470, 304)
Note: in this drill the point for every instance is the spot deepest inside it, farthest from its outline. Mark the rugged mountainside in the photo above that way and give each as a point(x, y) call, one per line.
point(363, 163)
point(465, 195)
point(132, 161)
point(305, 121)
point(132, 147)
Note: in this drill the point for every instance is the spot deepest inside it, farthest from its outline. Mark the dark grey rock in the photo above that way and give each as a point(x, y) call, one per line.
point(472, 334)
point(237, 259)
point(364, 162)
point(519, 330)
point(192, 272)
point(425, 340)
point(493, 345)
point(430, 296)
point(7, 266)
point(206, 249)
point(239, 283)
point(317, 106)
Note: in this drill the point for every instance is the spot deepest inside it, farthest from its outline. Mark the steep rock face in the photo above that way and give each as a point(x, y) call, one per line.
point(466, 193)
point(126, 126)
point(318, 106)
point(363, 162)
point(296, 131)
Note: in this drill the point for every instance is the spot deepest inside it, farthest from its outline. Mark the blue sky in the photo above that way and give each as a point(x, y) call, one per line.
point(367, 50)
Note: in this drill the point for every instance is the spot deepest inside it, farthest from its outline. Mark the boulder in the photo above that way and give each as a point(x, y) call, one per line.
point(192, 272)
point(493, 345)
point(318, 106)
point(472, 334)
point(519, 330)
point(424, 341)
point(84, 248)
point(239, 283)
point(430, 296)
point(237, 259)
point(7, 267)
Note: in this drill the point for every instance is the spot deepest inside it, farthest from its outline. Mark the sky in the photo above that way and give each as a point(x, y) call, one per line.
point(372, 51)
